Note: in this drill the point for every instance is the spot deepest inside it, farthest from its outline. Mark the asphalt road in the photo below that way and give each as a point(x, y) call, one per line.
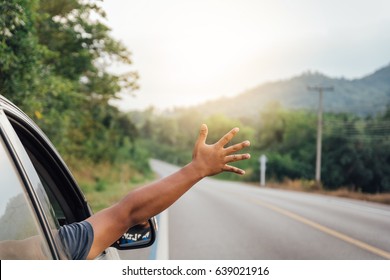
point(228, 220)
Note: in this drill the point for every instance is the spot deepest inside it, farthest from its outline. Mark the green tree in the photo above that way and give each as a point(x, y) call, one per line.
point(54, 59)
point(20, 52)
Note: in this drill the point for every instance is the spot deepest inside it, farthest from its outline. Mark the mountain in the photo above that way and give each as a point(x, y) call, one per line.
point(369, 95)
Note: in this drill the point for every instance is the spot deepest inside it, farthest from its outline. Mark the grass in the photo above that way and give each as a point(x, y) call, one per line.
point(105, 184)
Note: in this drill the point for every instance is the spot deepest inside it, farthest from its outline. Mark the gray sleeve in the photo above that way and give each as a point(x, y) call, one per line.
point(77, 239)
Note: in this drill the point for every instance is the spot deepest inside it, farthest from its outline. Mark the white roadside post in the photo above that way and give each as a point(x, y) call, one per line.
point(262, 160)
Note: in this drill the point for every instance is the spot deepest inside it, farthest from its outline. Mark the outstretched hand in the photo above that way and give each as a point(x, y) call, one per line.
point(213, 159)
point(142, 203)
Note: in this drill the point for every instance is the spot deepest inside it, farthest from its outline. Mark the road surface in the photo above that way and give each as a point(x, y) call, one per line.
point(229, 220)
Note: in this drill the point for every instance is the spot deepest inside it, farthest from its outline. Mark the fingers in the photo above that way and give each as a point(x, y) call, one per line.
point(233, 169)
point(233, 158)
point(237, 147)
point(232, 149)
point(227, 137)
point(216, 158)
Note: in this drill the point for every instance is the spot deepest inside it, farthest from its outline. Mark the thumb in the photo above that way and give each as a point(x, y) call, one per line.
point(202, 134)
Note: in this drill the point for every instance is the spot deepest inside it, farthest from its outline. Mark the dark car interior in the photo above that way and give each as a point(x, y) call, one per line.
point(68, 206)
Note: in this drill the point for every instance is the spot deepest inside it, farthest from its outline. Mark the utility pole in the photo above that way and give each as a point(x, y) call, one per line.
point(320, 90)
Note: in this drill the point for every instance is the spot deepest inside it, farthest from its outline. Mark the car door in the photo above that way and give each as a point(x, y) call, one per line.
point(25, 231)
point(53, 192)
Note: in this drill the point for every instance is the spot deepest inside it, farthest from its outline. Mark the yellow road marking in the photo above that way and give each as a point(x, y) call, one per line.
point(325, 229)
point(320, 227)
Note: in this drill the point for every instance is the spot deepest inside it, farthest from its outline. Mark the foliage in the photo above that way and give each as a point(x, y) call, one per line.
point(54, 58)
point(105, 183)
point(355, 150)
point(19, 51)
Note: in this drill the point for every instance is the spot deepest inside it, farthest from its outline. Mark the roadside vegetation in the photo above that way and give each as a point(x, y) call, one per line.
point(355, 149)
point(54, 60)
point(105, 183)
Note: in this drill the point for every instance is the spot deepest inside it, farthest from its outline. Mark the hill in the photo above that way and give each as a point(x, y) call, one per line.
point(369, 95)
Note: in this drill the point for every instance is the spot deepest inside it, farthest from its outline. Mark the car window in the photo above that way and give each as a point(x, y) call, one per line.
point(49, 184)
point(66, 201)
point(20, 234)
point(33, 185)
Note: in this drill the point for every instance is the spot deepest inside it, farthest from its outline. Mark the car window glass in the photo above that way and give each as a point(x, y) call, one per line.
point(49, 185)
point(55, 193)
point(20, 233)
point(31, 173)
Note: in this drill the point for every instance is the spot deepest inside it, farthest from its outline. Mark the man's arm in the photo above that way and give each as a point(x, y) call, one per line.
point(143, 203)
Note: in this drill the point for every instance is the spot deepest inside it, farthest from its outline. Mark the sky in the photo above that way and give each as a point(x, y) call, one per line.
point(188, 52)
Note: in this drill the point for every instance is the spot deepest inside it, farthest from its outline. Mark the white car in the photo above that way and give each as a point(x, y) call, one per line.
point(38, 194)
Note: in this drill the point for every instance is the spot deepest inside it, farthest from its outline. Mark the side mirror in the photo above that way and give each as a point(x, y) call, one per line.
point(138, 236)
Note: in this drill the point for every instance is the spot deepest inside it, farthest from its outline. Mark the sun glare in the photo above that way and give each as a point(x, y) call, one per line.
point(187, 52)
